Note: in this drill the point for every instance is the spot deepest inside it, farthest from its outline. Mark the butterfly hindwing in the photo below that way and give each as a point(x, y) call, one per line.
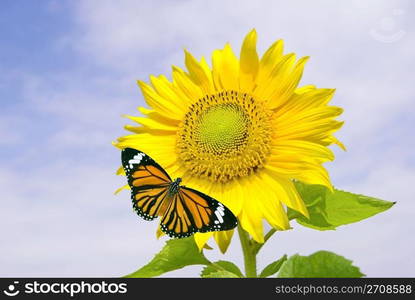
point(148, 202)
point(148, 182)
point(192, 211)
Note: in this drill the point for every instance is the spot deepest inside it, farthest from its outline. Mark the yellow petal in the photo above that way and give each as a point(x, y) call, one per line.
point(202, 238)
point(286, 191)
point(302, 170)
point(120, 171)
point(287, 85)
point(160, 104)
point(251, 215)
point(271, 206)
point(166, 90)
point(317, 175)
point(163, 153)
point(153, 124)
point(269, 60)
point(315, 131)
point(150, 113)
point(124, 187)
point(310, 115)
point(252, 225)
point(333, 140)
point(186, 85)
point(159, 232)
point(303, 99)
point(304, 89)
point(231, 194)
point(271, 85)
point(142, 129)
point(207, 70)
point(197, 74)
point(225, 69)
point(234, 197)
point(305, 150)
point(249, 62)
point(223, 239)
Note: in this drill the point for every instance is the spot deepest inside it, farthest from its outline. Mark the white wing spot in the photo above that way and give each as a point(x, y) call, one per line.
point(218, 215)
point(135, 160)
point(221, 210)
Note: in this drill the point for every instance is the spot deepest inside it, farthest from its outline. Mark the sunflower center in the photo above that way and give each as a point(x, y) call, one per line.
point(222, 129)
point(224, 136)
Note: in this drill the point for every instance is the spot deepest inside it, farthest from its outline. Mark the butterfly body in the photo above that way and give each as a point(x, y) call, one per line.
point(174, 187)
point(183, 210)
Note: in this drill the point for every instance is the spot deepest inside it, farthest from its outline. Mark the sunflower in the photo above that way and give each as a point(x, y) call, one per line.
point(241, 131)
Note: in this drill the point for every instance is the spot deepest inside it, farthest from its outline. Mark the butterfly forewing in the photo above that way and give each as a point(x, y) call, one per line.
point(148, 182)
point(142, 170)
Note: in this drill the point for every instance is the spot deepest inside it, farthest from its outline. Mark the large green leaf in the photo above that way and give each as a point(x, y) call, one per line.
point(273, 267)
point(322, 264)
point(329, 210)
point(176, 254)
point(221, 268)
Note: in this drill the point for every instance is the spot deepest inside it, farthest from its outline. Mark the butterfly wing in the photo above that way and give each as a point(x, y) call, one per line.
point(191, 211)
point(148, 181)
point(142, 170)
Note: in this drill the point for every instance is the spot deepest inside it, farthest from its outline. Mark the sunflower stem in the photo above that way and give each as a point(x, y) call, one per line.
point(248, 252)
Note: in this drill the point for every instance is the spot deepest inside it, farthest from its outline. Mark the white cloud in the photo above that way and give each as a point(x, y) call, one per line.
point(116, 34)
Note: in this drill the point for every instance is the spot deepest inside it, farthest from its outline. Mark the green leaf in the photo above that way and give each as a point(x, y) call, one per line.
point(322, 264)
point(329, 210)
point(223, 267)
point(273, 267)
point(221, 274)
point(176, 254)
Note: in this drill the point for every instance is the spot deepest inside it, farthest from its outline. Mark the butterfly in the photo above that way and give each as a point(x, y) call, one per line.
point(183, 211)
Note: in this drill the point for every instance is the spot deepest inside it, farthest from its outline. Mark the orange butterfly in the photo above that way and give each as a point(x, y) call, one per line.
point(183, 211)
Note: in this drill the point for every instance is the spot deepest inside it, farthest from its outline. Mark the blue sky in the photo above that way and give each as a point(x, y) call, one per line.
point(68, 72)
